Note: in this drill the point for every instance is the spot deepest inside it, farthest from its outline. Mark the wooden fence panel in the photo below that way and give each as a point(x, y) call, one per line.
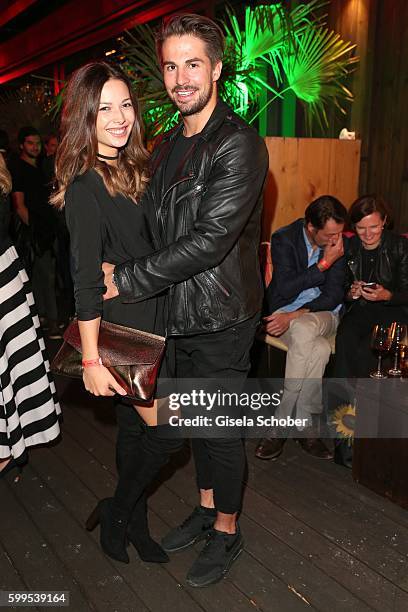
point(302, 169)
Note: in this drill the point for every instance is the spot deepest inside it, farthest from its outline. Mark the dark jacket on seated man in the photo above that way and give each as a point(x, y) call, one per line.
point(291, 274)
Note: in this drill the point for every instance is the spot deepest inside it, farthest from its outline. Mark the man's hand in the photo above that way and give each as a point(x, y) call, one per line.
point(333, 250)
point(111, 289)
point(379, 294)
point(276, 324)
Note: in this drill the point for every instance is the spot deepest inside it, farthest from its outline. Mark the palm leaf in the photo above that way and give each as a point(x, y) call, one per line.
point(289, 44)
point(315, 70)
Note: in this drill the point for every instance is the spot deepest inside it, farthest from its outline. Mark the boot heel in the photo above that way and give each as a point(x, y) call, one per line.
point(93, 519)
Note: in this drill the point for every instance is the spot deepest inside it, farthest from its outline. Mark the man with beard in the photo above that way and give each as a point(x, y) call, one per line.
point(206, 188)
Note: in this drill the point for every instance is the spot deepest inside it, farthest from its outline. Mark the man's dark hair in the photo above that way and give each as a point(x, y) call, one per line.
point(25, 132)
point(367, 205)
point(48, 137)
point(194, 25)
point(324, 208)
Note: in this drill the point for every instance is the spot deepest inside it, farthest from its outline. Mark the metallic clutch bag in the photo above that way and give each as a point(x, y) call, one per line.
point(133, 357)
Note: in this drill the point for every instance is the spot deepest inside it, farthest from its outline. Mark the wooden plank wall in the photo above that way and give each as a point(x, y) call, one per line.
point(380, 85)
point(300, 170)
point(388, 155)
point(355, 20)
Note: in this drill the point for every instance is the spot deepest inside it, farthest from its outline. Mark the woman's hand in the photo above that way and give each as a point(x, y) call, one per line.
point(356, 290)
point(99, 381)
point(379, 294)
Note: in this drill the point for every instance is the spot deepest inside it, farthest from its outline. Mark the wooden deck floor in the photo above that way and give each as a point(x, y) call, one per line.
point(315, 540)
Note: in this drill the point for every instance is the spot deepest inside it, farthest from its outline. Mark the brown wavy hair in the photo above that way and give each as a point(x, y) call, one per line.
point(77, 151)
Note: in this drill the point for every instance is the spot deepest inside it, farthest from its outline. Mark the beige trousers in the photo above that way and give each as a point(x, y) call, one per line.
point(308, 354)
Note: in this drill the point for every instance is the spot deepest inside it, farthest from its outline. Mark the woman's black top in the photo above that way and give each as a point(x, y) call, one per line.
point(111, 229)
point(368, 265)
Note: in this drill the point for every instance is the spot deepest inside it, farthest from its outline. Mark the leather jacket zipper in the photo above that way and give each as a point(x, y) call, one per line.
point(182, 180)
point(217, 282)
point(160, 216)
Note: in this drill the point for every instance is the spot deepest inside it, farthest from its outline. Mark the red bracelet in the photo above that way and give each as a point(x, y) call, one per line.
point(89, 363)
point(324, 264)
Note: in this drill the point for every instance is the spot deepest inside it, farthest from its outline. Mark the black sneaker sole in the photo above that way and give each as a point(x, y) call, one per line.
point(198, 538)
point(223, 574)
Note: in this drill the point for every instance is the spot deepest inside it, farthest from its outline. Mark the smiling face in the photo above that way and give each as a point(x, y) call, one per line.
point(188, 74)
point(369, 229)
point(115, 119)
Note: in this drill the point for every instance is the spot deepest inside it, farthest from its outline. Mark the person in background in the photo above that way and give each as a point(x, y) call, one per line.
point(303, 301)
point(375, 255)
point(36, 223)
point(376, 293)
point(50, 145)
point(63, 281)
point(29, 409)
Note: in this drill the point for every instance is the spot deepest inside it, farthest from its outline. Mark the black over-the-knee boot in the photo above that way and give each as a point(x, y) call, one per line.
point(124, 515)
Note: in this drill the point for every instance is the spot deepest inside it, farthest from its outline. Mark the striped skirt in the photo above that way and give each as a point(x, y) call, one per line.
point(29, 410)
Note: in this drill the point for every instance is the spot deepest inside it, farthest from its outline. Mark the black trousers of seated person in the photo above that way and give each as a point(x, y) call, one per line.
point(219, 462)
point(354, 357)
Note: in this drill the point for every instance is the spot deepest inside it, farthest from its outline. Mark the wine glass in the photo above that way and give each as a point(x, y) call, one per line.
point(396, 332)
point(380, 345)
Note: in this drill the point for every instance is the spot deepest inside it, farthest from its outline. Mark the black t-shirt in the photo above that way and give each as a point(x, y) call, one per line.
point(29, 180)
point(181, 148)
point(369, 260)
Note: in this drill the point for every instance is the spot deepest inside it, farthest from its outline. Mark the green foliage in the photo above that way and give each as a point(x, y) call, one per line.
point(315, 68)
point(275, 50)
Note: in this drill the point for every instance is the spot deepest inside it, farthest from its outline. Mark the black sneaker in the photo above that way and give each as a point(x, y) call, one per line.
point(196, 527)
point(216, 558)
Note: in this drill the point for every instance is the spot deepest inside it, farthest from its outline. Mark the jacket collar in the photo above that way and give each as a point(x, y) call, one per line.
point(220, 112)
point(300, 241)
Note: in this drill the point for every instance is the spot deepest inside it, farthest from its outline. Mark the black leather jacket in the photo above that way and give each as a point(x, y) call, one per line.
point(209, 229)
point(391, 266)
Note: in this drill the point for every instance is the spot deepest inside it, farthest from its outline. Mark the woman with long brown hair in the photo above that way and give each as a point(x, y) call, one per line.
point(102, 171)
point(29, 408)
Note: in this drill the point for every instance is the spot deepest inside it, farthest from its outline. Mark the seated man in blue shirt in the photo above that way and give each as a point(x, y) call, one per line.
point(304, 298)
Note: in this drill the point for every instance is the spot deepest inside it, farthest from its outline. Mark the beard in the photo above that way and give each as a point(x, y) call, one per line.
point(32, 155)
point(194, 107)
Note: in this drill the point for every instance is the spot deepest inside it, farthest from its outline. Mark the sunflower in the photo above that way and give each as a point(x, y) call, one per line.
point(344, 419)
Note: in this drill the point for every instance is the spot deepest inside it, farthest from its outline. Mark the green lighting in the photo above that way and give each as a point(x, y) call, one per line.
point(277, 53)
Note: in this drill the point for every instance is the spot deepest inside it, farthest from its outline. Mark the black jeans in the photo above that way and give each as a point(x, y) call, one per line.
point(220, 462)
